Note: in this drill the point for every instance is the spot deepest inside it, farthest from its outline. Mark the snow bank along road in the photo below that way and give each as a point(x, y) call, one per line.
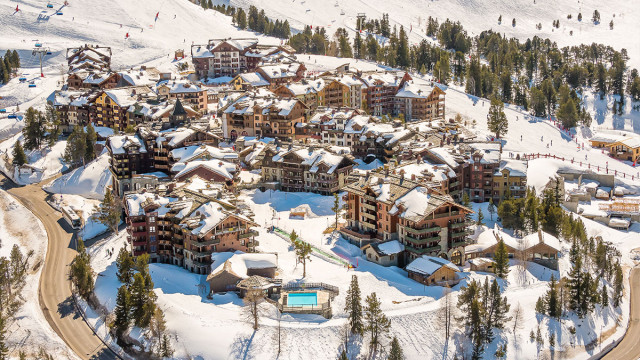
point(55, 287)
point(629, 347)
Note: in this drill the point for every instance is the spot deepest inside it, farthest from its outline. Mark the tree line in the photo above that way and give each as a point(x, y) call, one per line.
point(13, 274)
point(9, 65)
point(255, 20)
point(81, 143)
point(136, 303)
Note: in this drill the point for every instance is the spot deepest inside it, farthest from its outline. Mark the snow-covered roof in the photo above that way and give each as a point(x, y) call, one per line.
point(427, 265)
point(120, 142)
point(182, 87)
point(137, 202)
point(204, 152)
point(280, 71)
point(211, 214)
point(515, 167)
point(219, 167)
point(437, 173)
point(382, 79)
point(410, 89)
point(239, 263)
point(313, 158)
point(390, 247)
point(254, 79)
point(542, 237)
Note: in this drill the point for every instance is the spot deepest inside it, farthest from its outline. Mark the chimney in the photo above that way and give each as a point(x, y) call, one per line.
point(540, 238)
point(413, 177)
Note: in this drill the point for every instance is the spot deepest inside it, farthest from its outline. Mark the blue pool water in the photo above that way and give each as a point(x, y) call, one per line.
point(299, 299)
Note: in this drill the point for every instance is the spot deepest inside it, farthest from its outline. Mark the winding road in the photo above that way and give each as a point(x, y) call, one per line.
point(55, 287)
point(629, 347)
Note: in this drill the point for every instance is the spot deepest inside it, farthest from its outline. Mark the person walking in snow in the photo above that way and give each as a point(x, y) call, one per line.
point(551, 142)
point(585, 157)
point(542, 138)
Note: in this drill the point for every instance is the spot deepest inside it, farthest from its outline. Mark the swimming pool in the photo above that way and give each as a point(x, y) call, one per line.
point(301, 299)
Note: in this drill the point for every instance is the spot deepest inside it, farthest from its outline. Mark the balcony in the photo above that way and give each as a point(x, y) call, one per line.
point(422, 241)
point(138, 224)
point(422, 251)
point(369, 216)
point(369, 206)
point(453, 213)
point(138, 234)
point(422, 231)
point(253, 243)
point(206, 243)
point(456, 234)
point(248, 234)
point(228, 230)
point(460, 224)
point(454, 184)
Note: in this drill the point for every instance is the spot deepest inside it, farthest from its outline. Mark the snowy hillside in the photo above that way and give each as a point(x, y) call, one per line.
point(476, 16)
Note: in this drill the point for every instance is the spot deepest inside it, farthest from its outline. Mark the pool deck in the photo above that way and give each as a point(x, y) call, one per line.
point(321, 296)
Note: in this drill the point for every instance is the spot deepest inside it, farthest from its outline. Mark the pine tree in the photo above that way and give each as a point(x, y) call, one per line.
point(496, 119)
point(491, 208)
point(501, 260)
point(477, 330)
point(336, 207)
point(125, 266)
point(303, 250)
point(497, 309)
point(605, 296)
point(480, 218)
point(122, 311)
point(90, 148)
point(4, 349)
point(53, 124)
point(34, 129)
point(165, 347)
point(343, 355)
point(466, 202)
point(553, 305)
point(376, 322)
point(617, 285)
point(396, 351)
point(109, 211)
point(541, 308)
point(19, 157)
point(353, 306)
point(74, 152)
point(81, 273)
point(142, 301)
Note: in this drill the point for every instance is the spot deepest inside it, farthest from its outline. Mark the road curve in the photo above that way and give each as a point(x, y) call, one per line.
point(55, 287)
point(629, 347)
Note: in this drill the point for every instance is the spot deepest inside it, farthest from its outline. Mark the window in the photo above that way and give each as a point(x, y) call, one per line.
point(152, 219)
point(152, 229)
point(152, 238)
point(152, 248)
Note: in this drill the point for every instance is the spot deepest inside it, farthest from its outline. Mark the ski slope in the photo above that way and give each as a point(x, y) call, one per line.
point(475, 15)
point(106, 23)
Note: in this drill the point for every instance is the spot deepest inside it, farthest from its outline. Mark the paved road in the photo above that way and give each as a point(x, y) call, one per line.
point(55, 287)
point(629, 347)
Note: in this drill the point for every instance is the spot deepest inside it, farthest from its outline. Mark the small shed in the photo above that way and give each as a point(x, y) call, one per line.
point(431, 270)
point(482, 265)
point(385, 254)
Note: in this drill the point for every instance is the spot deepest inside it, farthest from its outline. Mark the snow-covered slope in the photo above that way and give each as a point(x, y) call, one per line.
point(475, 15)
point(106, 23)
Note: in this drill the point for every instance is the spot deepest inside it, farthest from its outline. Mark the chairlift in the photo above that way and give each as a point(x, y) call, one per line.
point(12, 116)
point(22, 79)
point(50, 6)
point(32, 85)
point(3, 111)
point(59, 13)
point(38, 45)
point(48, 52)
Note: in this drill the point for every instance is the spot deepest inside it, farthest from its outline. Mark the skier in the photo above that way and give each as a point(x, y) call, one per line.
point(174, 16)
point(542, 138)
point(551, 142)
point(520, 137)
